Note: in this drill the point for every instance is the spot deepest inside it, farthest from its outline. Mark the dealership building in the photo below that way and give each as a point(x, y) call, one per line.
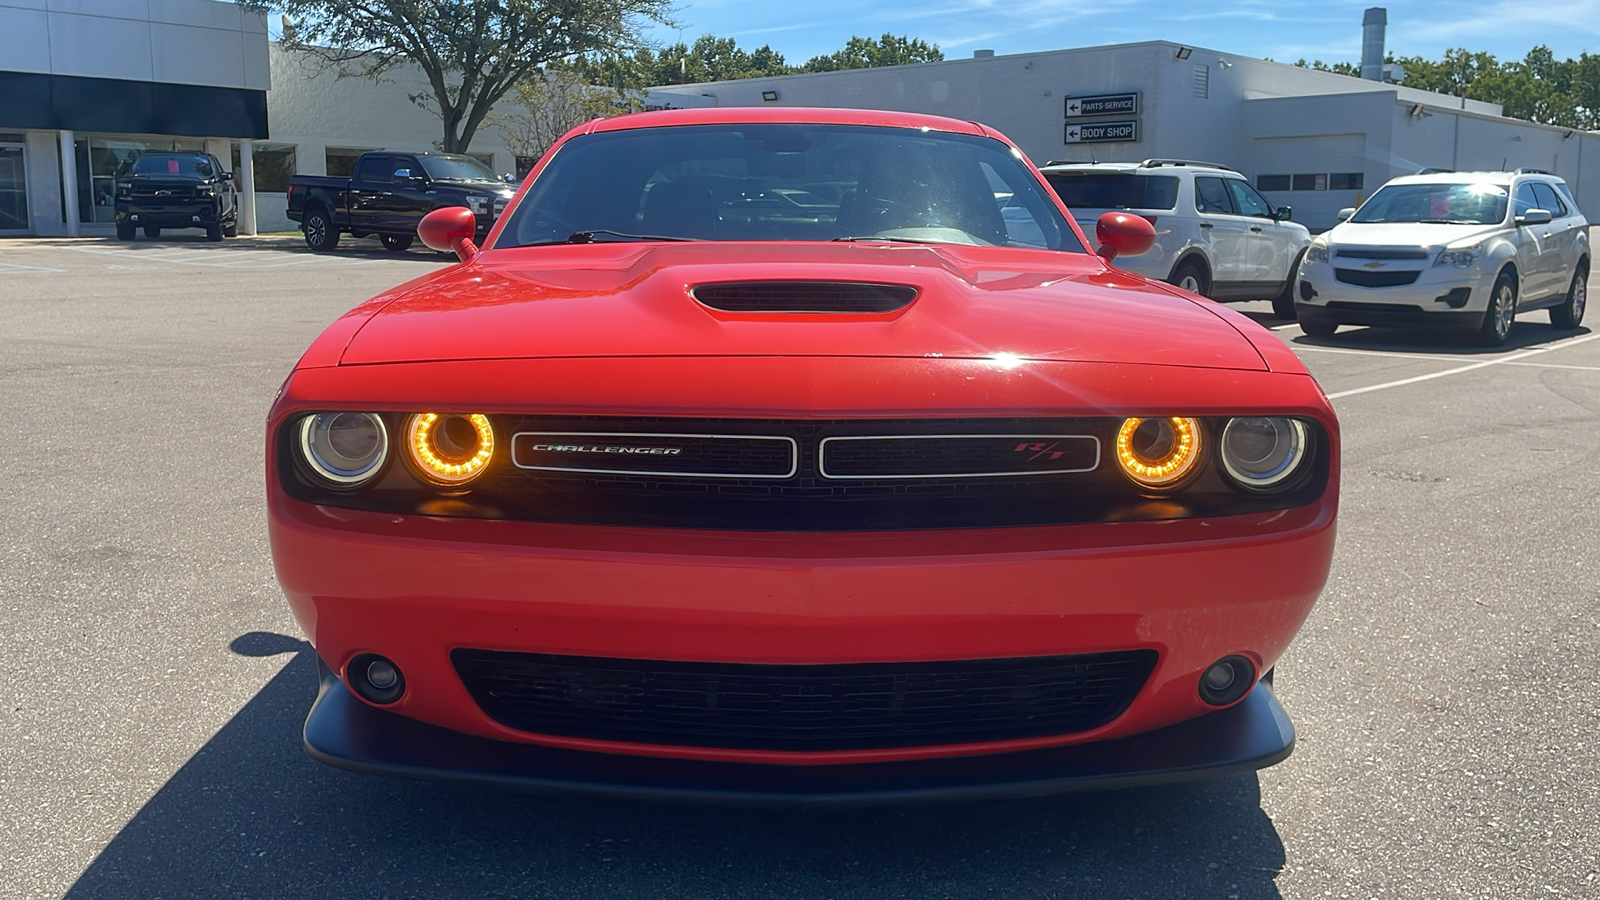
point(87, 84)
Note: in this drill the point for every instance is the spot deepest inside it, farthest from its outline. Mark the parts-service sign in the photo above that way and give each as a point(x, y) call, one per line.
point(1103, 105)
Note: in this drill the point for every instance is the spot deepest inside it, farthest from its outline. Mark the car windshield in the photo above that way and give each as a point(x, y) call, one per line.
point(1444, 204)
point(788, 182)
point(1114, 190)
point(457, 168)
point(168, 164)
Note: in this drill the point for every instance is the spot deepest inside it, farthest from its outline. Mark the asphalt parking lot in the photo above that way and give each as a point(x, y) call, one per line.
point(1445, 689)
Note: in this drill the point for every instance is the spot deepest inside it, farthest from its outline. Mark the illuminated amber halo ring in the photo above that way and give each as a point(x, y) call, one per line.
point(1176, 464)
point(423, 432)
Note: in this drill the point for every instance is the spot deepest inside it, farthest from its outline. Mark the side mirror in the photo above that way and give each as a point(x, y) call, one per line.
point(226, 176)
point(1284, 214)
point(1123, 234)
point(450, 230)
point(1346, 213)
point(1535, 217)
point(509, 178)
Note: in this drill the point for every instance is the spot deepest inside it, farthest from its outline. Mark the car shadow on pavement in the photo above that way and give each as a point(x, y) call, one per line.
point(1526, 335)
point(355, 248)
point(250, 815)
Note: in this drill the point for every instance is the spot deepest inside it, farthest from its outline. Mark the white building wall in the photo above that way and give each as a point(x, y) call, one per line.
point(178, 41)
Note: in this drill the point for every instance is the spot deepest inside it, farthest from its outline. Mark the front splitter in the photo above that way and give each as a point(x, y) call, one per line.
point(346, 733)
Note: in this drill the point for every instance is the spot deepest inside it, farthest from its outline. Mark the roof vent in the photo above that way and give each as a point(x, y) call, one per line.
point(983, 54)
point(804, 296)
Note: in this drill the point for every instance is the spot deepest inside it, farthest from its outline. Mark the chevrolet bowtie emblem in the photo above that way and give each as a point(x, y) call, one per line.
point(1374, 265)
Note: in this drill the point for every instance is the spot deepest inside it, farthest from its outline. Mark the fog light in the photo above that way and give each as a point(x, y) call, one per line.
point(1226, 680)
point(449, 449)
point(375, 679)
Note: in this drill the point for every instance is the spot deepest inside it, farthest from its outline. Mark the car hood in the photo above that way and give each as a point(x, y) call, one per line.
point(1406, 234)
point(633, 299)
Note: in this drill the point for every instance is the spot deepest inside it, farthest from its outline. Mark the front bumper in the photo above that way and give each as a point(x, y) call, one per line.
point(344, 732)
point(184, 215)
point(1441, 296)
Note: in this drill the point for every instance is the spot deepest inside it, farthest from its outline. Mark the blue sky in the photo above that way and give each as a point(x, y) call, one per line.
point(1285, 30)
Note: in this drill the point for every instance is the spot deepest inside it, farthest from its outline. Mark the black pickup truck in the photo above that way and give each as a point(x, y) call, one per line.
point(390, 193)
point(175, 190)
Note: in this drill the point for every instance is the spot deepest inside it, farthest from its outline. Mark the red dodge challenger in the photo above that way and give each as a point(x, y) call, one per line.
point(797, 455)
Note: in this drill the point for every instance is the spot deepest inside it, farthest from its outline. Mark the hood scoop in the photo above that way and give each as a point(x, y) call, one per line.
point(804, 297)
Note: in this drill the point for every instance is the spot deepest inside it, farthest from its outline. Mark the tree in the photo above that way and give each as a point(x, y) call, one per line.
point(472, 52)
point(546, 105)
point(867, 53)
point(710, 59)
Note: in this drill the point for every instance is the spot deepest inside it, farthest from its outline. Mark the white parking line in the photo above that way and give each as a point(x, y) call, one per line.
point(1504, 360)
point(9, 268)
point(1302, 349)
point(1555, 366)
point(231, 259)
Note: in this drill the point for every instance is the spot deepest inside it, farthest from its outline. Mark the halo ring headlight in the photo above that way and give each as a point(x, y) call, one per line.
point(449, 449)
point(344, 448)
point(1264, 453)
point(1159, 453)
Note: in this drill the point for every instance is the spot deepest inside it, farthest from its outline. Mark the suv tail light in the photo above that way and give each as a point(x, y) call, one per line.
point(288, 193)
point(1148, 218)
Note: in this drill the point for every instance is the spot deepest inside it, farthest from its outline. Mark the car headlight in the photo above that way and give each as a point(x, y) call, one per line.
point(478, 203)
point(1317, 252)
point(344, 448)
point(1159, 453)
point(1460, 257)
point(1263, 453)
point(449, 449)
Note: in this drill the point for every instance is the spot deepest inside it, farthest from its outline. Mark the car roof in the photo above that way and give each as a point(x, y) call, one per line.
point(785, 115)
point(1499, 178)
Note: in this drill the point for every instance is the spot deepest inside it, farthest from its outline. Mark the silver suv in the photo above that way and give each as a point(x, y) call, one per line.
point(1215, 235)
point(1451, 250)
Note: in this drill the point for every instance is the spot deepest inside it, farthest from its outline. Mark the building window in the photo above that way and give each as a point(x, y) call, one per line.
point(1272, 183)
point(101, 157)
point(1346, 181)
point(274, 165)
point(342, 162)
point(1316, 182)
point(525, 165)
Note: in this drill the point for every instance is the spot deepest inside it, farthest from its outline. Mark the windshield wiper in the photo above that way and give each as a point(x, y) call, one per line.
point(602, 235)
point(1446, 222)
point(887, 239)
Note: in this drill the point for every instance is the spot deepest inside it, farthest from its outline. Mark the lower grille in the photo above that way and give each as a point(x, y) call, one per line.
point(821, 707)
point(1361, 278)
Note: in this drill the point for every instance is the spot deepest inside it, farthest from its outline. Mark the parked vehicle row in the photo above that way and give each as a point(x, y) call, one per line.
point(1215, 234)
point(1464, 251)
point(390, 193)
point(175, 190)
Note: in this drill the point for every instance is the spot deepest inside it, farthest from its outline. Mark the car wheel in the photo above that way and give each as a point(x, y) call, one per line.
point(152, 232)
point(125, 232)
point(1318, 328)
point(230, 230)
point(1501, 314)
point(1283, 304)
point(1191, 278)
point(1570, 313)
point(321, 235)
point(213, 232)
point(397, 243)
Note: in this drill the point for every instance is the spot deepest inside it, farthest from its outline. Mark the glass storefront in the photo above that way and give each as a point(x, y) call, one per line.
point(102, 156)
point(13, 185)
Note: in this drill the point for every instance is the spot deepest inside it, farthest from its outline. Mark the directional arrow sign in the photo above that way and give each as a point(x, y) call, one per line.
point(1104, 105)
point(1101, 132)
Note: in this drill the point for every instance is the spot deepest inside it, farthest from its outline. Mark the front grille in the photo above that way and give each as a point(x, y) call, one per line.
point(163, 194)
point(802, 707)
point(803, 475)
point(1378, 253)
point(804, 297)
point(1364, 278)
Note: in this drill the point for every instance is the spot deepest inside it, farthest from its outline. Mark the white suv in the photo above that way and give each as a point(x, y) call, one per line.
point(1461, 250)
point(1215, 235)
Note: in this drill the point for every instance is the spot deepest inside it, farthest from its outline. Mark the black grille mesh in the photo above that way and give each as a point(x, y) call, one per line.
point(804, 296)
point(786, 707)
point(1362, 278)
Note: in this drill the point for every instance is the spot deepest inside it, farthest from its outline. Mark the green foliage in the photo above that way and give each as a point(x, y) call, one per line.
point(544, 106)
point(868, 53)
point(711, 58)
point(470, 51)
point(1540, 88)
